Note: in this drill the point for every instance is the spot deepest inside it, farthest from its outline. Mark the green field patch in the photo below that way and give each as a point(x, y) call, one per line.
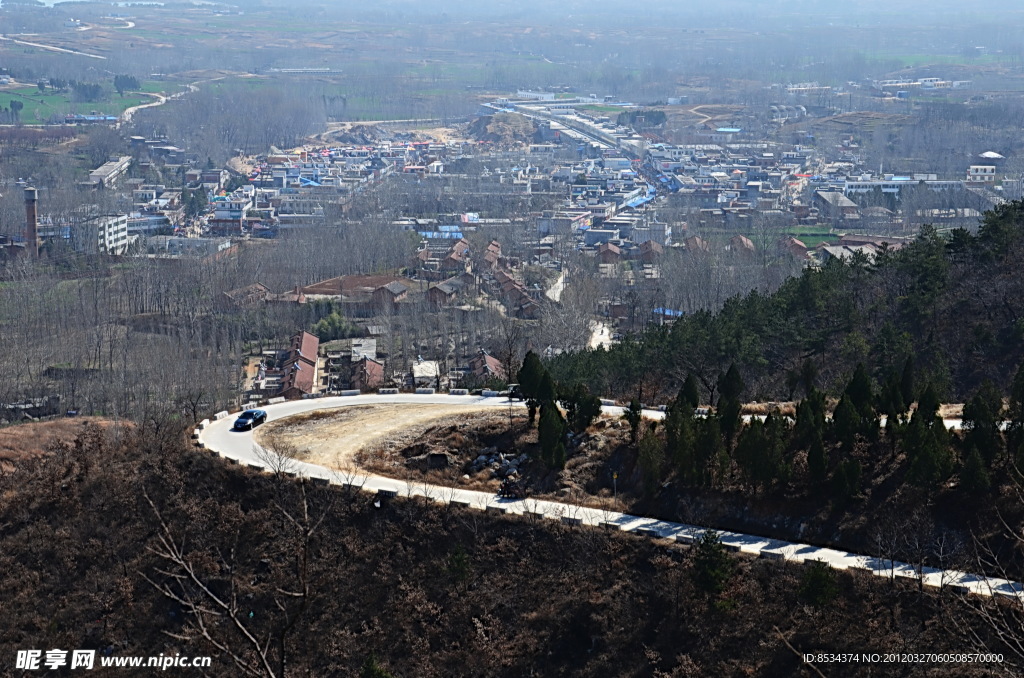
point(161, 87)
point(812, 237)
point(41, 107)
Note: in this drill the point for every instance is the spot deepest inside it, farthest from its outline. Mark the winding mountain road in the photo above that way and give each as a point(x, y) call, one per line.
point(239, 446)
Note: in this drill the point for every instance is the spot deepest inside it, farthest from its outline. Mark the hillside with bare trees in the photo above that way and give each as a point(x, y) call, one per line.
point(140, 546)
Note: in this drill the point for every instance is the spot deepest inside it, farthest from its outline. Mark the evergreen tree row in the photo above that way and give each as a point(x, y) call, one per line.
point(952, 303)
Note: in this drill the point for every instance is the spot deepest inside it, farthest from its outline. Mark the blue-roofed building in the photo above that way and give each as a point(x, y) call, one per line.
point(642, 200)
point(441, 235)
point(667, 315)
point(72, 119)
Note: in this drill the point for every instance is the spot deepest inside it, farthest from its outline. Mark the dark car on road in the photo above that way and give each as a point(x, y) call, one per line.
point(250, 419)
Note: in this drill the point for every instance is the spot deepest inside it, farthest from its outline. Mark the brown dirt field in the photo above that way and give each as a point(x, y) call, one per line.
point(377, 438)
point(24, 441)
point(787, 409)
point(951, 411)
point(334, 438)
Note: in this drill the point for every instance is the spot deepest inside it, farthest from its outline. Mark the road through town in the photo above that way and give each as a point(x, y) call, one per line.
point(240, 446)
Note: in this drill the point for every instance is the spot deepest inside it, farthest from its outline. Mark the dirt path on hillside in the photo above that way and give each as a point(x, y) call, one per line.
point(332, 438)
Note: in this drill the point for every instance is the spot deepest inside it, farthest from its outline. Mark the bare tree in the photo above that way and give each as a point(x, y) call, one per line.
point(511, 338)
point(213, 606)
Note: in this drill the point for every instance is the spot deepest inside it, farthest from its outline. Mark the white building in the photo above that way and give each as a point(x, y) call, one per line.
point(106, 174)
point(102, 234)
point(898, 184)
point(981, 174)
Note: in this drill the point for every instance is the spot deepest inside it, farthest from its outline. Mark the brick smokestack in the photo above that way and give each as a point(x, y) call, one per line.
point(31, 222)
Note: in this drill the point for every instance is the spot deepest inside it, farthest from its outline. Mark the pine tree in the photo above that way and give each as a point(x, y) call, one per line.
point(982, 418)
point(845, 422)
point(928, 404)
point(927, 446)
point(750, 446)
point(817, 462)
point(581, 408)
point(546, 389)
point(846, 481)
point(529, 376)
point(808, 376)
point(651, 457)
point(890, 400)
point(819, 586)
point(859, 391)
point(712, 566)
point(679, 439)
point(371, 669)
point(861, 397)
point(690, 393)
point(551, 434)
point(634, 416)
point(759, 452)
point(558, 456)
point(730, 388)
point(810, 419)
point(974, 477)
point(730, 385)
point(710, 456)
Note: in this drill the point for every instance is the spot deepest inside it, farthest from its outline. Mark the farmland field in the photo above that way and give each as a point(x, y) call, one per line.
point(42, 107)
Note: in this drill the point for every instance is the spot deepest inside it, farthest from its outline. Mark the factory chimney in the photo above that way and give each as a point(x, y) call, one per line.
point(31, 223)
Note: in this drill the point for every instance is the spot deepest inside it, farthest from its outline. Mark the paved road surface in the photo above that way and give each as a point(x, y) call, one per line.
point(218, 436)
